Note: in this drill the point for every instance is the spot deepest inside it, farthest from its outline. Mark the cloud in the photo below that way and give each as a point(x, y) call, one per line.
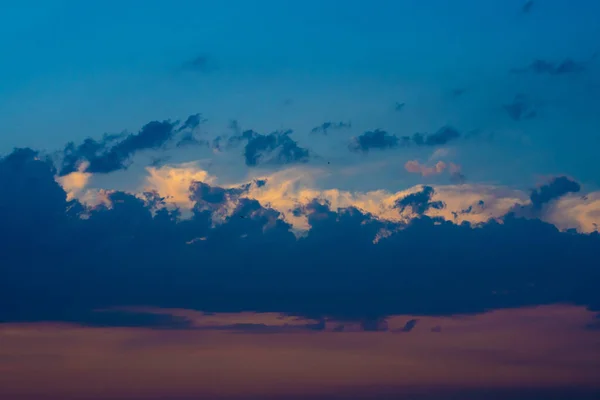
point(520, 109)
point(376, 139)
point(557, 187)
point(420, 202)
point(174, 183)
point(413, 166)
point(114, 152)
point(326, 126)
point(62, 259)
point(75, 182)
point(379, 139)
point(274, 148)
point(575, 212)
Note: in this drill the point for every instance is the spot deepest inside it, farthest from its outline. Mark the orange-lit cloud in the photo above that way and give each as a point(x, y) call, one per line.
point(576, 212)
point(413, 166)
point(75, 182)
point(174, 182)
point(288, 189)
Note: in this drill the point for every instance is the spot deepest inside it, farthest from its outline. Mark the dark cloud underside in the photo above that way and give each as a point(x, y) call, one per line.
point(58, 266)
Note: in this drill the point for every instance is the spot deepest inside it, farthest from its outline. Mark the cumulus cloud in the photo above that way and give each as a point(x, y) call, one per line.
point(362, 255)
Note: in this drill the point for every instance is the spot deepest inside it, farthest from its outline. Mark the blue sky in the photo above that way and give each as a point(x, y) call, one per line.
point(79, 69)
point(437, 196)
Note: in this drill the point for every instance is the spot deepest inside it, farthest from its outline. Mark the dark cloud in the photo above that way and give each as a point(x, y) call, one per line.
point(520, 109)
point(556, 188)
point(442, 136)
point(114, 152)
point(192, 122)
point(376, 139)
point(61, 261)
point(477, 207)
point(379, 139)
point(273, 148)
point(327, 126)
point(420, 202)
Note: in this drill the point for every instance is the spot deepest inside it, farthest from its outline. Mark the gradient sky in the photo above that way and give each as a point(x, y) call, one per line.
point(438, 195)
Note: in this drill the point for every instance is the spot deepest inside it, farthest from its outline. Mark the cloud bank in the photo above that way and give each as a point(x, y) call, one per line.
point(362, 256)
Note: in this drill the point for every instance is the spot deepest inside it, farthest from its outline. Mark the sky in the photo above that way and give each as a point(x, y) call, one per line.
point(379, 199)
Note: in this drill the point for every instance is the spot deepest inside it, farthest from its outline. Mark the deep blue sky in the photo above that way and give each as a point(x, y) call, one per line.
point(76, 69)
point(429, 220)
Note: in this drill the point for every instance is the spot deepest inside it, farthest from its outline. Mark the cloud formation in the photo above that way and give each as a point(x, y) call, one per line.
point(114, 152)
point(555, 188)
point(415, 167)
point(63, 259)
point(273, 148)
point(379, 139)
